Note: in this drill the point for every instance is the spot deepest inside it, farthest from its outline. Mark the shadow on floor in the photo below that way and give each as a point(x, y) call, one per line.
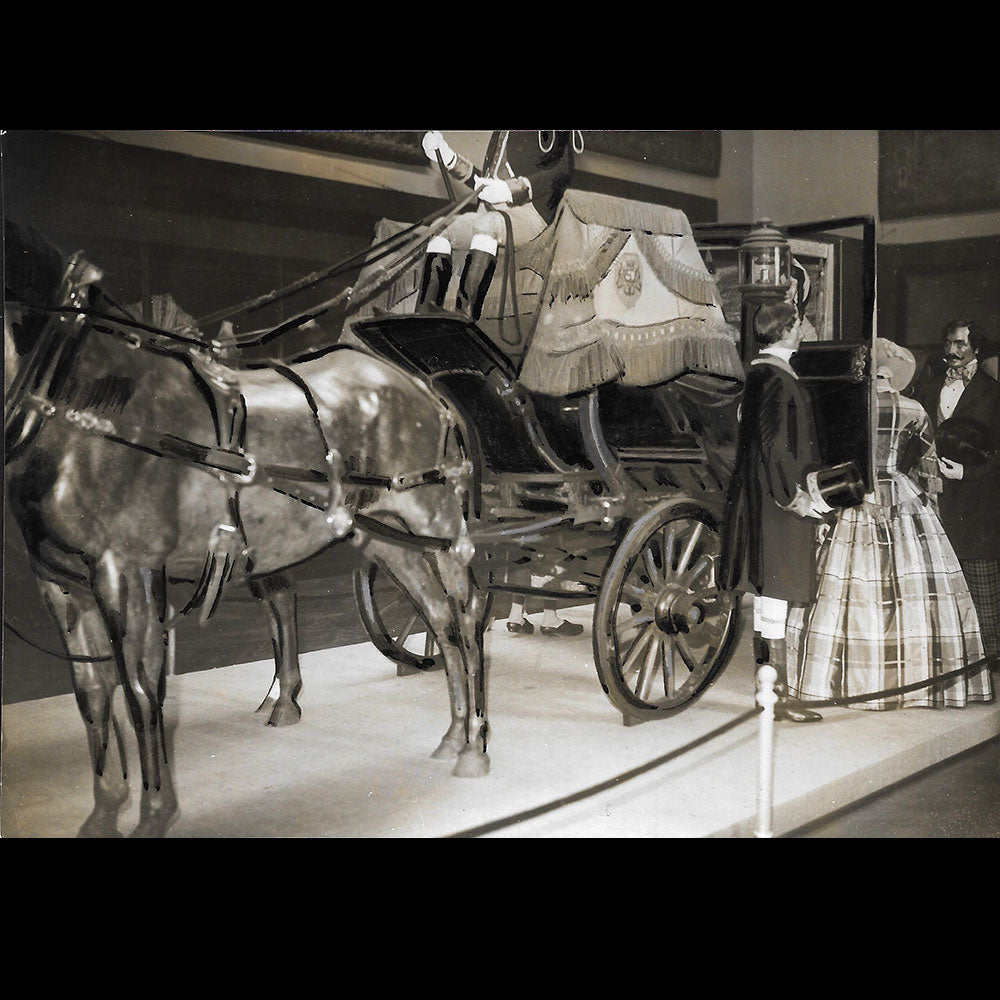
point(958, 798)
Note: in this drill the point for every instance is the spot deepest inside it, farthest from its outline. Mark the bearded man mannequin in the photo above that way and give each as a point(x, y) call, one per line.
point(960, 390)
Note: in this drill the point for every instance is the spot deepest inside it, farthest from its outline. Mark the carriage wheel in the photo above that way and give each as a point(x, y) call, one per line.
point(394, 622)
point(663, 631)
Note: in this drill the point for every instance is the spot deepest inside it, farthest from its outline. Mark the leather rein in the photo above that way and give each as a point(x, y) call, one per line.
point(319, 489)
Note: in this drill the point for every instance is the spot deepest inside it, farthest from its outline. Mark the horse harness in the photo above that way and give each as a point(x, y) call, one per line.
point(226, 459)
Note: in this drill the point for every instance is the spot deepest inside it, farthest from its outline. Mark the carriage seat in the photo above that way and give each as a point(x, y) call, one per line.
point(455, 358)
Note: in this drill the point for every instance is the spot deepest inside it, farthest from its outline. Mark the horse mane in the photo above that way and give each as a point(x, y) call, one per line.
point(33, 266)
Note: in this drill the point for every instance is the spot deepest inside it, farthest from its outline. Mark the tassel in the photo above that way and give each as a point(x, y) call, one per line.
point(617, 213)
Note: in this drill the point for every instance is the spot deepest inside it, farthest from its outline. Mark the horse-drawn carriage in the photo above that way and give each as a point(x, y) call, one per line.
point(602, 431)
point(591, 449)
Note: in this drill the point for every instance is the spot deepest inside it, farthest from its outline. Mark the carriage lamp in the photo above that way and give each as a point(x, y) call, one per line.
point(765, 263)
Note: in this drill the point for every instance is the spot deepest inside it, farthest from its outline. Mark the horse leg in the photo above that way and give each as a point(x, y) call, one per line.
point(85, 639)
point(132, 603)
point(457, 608)
point(278, 596)
point(470, 607)
point(416, 575)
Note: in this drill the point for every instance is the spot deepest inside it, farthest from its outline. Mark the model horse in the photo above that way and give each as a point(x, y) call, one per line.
point(123, 478)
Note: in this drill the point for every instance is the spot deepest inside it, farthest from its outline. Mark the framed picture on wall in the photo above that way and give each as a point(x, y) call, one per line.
point(813, 276)
point(813, 284)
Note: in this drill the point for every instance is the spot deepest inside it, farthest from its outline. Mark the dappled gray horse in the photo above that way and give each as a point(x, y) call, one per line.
point(122, 483)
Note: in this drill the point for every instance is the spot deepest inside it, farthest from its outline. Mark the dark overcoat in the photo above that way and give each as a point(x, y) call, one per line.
point(970, 506)
point(766, 549)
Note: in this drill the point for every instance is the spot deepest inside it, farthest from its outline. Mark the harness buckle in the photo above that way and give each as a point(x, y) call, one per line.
point(338, 517)
point(247, 478)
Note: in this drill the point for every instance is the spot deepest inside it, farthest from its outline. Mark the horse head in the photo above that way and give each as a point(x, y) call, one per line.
point(38, 322)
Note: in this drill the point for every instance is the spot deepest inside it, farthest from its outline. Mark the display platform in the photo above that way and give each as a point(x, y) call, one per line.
point(358, 764)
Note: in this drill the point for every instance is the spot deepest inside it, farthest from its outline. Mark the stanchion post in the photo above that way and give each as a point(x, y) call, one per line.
point(767, 699)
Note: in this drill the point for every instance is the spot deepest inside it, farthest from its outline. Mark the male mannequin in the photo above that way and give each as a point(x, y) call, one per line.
point(960, 389)
point(524, 177)
point(769, 538)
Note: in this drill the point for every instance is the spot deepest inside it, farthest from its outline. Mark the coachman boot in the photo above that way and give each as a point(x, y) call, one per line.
point(475, 282)
point(434, 282)
point(786, 709)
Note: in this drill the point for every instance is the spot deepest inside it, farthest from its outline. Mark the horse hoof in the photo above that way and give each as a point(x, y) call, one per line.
point(284, 715)
point(448, 749)
point(99, 829)
point(471, 763)
point(154, 827)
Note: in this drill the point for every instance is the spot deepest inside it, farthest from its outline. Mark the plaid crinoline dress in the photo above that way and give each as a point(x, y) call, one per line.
point(893, 607)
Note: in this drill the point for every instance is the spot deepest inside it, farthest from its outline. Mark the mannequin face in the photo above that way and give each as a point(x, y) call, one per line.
point(792, 337)
point(958, 352)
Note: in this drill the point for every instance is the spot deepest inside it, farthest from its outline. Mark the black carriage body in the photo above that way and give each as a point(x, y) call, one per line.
point(616, 495)
point(541, 459)
point(580, 499)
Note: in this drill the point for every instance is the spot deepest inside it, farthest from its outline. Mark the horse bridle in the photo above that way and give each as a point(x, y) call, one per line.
point(66, 318)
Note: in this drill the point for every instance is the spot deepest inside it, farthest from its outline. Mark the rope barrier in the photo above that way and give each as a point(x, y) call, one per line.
point(620, 779)
point(610, 783)
point(890, 692)
point(49, 652)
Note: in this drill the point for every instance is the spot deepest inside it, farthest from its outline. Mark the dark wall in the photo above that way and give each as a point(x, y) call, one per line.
point(211, 234)
point(924, 285)
point(214, 234)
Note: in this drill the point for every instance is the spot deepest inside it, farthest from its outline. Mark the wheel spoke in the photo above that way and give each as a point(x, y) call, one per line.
point(704, 563)
point(711, 631)
point(634, 621)
point(429, 644)
point(386, 606)
point(669, 544)
point(687, 656)
point(636, 593)
point(407, 630)
point(668, 668)
point(685, 558)
point(648, 671)
point(651, 568)
point(636, 651)
point(710, 595)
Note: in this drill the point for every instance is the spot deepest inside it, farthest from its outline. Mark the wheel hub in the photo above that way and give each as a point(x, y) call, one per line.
point(677, 610)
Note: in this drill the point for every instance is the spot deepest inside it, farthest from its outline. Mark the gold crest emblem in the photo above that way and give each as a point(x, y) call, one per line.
point(628, 277)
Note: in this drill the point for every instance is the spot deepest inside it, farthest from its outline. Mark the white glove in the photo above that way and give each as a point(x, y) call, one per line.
point(807, 506)
point(951, 470)
point(494, 191)
point(433, 143)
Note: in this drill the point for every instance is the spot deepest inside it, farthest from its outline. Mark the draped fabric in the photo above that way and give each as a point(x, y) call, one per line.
point(612, 290)
point(893, 606)
point(396, 296)
point(627, 298)
point(400, 292)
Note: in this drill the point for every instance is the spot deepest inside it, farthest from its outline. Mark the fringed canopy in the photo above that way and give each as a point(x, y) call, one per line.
point(619, 213)
point(612, 290)
point(628, 298)
point(567, 361)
